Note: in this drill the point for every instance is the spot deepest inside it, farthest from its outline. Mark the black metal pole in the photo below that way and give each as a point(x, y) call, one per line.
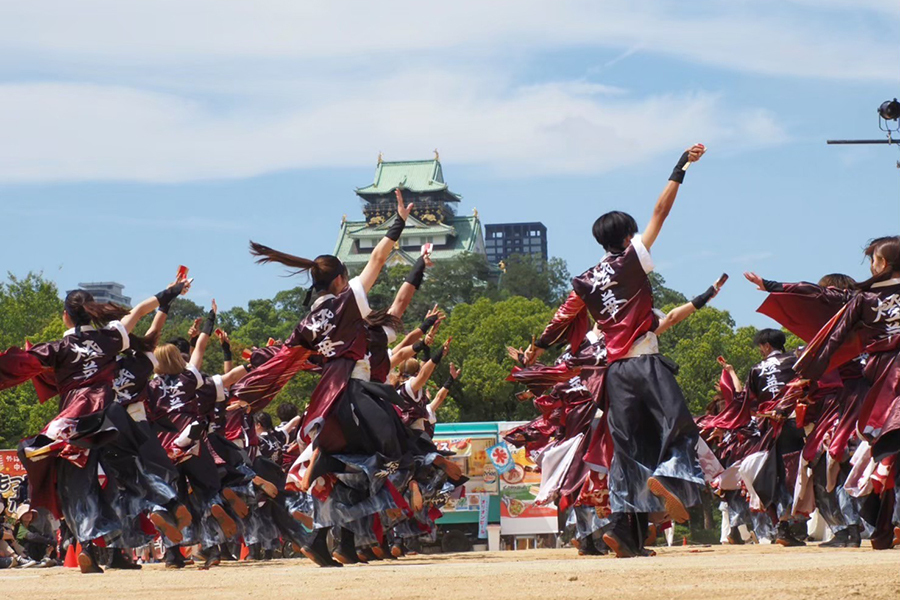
point(862, 142)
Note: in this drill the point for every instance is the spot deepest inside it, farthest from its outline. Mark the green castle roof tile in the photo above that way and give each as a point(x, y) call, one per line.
point(420, 176)
point(468, 238)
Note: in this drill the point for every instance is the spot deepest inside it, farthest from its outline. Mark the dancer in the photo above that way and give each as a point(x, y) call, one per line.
point(573, 442)
point(347, 415)
point(64, 459)
point(870, 322)
point(655, 466)
point(181, 402)
point(828, 409)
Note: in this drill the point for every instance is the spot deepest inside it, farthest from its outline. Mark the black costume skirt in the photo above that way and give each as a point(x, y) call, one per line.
point(364, 422)
point(364, 443)
point(138, 466)
point(654, 435)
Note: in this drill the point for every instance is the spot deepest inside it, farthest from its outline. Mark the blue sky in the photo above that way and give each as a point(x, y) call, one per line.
point(138, 136)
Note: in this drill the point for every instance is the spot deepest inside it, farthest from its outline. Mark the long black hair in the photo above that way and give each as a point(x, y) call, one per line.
point(83, 310)
point(323, 269)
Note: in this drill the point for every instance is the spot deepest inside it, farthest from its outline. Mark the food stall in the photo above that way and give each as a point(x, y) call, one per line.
point(492, 497)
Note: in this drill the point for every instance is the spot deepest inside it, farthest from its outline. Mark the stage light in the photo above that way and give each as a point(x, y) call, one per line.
point(889, 110)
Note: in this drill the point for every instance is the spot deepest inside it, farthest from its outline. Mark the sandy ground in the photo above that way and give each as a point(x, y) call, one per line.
point(758, 572)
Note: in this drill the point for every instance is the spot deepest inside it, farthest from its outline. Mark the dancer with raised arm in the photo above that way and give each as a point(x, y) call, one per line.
point(63, 461)
point(870, 322)
point(348, 414)
point(573, 441)
point(654, 466)
point(181, 402)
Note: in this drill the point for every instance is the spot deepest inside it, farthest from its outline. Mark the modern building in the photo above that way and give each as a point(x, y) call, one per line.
point(434, 217)
point(505, 239)
point(107, 291)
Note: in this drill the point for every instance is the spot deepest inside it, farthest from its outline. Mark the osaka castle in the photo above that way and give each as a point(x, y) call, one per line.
point(434, 217)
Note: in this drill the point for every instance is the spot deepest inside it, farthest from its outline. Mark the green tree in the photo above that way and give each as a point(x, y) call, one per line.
point(663, 295)
point(481, 332)
point(30, 309)
point(530, 276)
point(27, 306)
point(463, 279)
point(697, 342)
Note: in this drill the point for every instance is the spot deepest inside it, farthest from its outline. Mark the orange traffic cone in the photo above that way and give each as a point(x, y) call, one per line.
point(72, 556)
point(245, 551)
point(684, 541)
point(185, 551)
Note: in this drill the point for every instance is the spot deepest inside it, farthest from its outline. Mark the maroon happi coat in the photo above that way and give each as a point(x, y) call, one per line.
point(618, 295)
point(335, 328)
point(764, 383)
point(81, 368)
point(176, 401)
point(873, 319)
point(133, 373)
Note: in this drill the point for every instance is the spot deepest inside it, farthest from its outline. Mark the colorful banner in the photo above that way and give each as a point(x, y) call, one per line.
point(12, 475)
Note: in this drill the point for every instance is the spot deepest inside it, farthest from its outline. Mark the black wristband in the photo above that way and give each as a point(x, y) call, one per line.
point(226, 351)
point(437, 356)
point(194, 341)
point(414, 278)
point(422, 347)
point(169, 294)
point(209, 323)
point(773, 286)
point(701, 300)
point(448, 383)
point(428, 323)
point(396, 228)
point(678, 172)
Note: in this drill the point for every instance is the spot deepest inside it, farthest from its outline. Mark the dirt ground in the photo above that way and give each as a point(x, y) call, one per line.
point(758, 572)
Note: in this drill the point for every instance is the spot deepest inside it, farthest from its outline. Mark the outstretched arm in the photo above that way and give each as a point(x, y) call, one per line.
point(424, 374)
point(569, 324)
point(680, 313)
point(738, 384)
point(233, 376)
point(442, 394)
point(382, 251)
point(413, 281)
point(227, 358)
point(205, 331)
point(412, 344)
point(667, 198)
point(163, 298)
point(159, 320)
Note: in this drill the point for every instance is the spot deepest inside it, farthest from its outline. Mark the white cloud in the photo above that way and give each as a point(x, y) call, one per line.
point(85, 132)
point(177, 90)
point(799, 39)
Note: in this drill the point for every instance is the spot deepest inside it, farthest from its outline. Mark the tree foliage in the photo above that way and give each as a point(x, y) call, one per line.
point(30, 309)
point(481, 332)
